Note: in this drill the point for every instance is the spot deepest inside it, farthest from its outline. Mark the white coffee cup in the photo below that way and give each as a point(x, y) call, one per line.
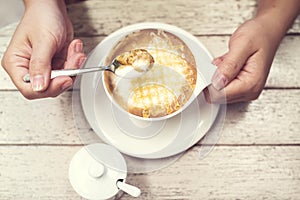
point(201, 56)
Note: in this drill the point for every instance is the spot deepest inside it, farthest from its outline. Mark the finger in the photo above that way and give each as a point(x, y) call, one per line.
point(75, 49)
point(76, 46)
point(16, 67)
point(234, 92)
point(61, 84)
point(212, 95)
point(57, 86)
point(232, 63)
point(76, 58)
point(218, 60)
point(76, 61)
point(40, 62)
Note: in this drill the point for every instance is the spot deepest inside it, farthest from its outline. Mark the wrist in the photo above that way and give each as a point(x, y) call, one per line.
point(32, 2)
point(272, 26)
point(277, 16)
point(40, 4)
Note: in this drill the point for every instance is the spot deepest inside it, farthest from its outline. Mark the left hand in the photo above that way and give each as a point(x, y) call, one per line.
point(243, 70)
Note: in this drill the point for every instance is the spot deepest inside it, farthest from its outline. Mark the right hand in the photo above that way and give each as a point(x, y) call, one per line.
point(42, 42)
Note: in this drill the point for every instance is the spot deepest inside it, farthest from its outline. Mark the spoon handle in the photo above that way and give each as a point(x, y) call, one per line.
point(129, 189)
point(68, 72)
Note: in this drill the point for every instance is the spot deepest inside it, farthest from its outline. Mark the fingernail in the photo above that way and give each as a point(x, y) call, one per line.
point(214, 62)
point(219, 81)
point(81, 62)
point(66, 86)
point(78, 47)
point(38, 83)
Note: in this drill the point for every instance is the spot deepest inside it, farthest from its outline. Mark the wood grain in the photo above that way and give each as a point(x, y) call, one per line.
point(227, 173)
point(216, 17)
point(256, 157)
point(41, 172)
point(31, 172)
point(272, 119)
point(285, 71)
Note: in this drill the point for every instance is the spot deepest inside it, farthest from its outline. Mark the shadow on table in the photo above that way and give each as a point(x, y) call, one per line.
point(236, 111)
point(228, 114)
point(84, 28)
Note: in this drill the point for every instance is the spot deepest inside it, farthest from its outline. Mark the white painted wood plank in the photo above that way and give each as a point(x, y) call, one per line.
point(228, 173)
point(45, 121)
point(35, 172)
point(205, 17)
point(272, 119)
point(253, 172)
point(285, 71)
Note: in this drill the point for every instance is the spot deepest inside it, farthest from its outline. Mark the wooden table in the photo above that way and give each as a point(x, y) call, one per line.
point(257, 157)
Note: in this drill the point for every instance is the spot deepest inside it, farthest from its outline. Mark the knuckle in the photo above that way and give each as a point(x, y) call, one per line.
point(54, 95)
point(28, 95)
point(5, 60)
point(254, 97)
point(231, 65)
point(253, 90)
point(255, 94)
point(36, 63)
point(230, 68)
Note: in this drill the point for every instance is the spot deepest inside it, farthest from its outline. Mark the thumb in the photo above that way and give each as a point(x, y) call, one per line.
point(230, 64)
point(40, 63)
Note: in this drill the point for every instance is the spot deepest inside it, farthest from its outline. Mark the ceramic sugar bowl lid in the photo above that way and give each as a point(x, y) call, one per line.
point(98, 171)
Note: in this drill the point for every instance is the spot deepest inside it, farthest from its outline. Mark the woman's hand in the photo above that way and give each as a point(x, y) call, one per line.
point(242, 71)
point(41, 42)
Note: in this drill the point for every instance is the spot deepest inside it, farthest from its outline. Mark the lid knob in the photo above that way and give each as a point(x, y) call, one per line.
point(96, 170)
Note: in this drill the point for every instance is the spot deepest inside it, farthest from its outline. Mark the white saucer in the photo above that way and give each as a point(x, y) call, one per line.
point(158, 139)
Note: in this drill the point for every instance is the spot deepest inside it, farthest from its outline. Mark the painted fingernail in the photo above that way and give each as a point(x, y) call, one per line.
point(78, 47)
point(66, 86)
point(81, 62)
point(219, 81)
point(38, 83)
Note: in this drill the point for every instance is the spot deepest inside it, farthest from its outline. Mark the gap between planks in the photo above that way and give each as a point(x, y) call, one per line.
point(196, 145)
point(266, 88)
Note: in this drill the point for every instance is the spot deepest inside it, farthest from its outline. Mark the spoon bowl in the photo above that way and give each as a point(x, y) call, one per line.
point(131, 64)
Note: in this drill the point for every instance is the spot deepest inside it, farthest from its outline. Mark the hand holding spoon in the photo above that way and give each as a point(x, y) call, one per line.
point(131, 64)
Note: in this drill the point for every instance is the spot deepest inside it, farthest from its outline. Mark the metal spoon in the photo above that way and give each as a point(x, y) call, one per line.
point(130, 64)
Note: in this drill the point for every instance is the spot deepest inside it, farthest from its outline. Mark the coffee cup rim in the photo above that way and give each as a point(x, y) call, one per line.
point(192, 43)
